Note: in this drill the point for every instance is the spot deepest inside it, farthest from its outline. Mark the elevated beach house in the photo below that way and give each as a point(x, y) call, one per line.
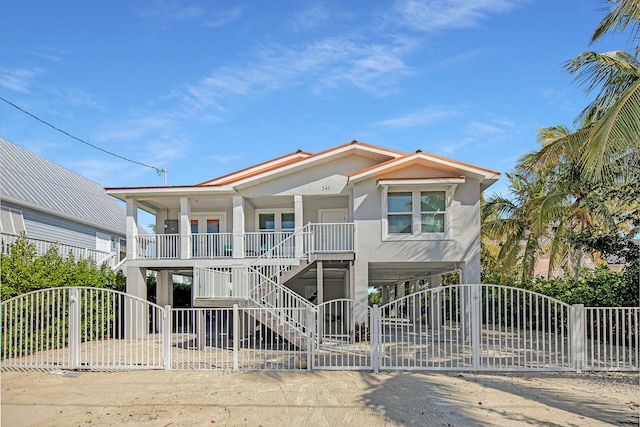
point(307, 228)
point(55, 206)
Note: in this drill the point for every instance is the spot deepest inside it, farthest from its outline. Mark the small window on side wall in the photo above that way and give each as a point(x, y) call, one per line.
point(416, 212)
point(433, 205)
point(400, 212)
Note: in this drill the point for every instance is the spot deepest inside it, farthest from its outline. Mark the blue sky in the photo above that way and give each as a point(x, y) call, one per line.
point(206, 88)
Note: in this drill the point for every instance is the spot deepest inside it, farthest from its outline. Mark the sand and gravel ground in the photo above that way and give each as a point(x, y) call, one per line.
point(322, 398)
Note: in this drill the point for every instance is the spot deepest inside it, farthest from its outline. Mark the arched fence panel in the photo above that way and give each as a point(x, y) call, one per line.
point(82, 328)
point(523, 330)
point(430, 329)
point(342, 335)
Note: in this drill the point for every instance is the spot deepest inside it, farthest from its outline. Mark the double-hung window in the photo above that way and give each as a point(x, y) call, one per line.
point(400, 212)
point(416, 214)
point(433, 207)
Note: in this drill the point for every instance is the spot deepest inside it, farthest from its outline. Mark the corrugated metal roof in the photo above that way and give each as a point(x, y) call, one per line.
point(28, 177)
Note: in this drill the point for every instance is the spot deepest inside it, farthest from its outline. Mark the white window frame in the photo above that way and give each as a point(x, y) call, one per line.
point(15, 224)
point(202, 218)
point(416, 219)
point(277, 215)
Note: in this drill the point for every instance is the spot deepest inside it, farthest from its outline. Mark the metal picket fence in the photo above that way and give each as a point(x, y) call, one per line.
point(457, 328)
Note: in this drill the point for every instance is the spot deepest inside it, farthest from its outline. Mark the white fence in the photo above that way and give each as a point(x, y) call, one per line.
point(82, 328)
point(78, 252)
point(460, 327)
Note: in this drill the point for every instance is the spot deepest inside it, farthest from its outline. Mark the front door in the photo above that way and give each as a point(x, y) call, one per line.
point(206, 240)
point(332, 215)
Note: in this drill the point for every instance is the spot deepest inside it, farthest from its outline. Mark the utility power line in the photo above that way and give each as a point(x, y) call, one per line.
point(160, 172)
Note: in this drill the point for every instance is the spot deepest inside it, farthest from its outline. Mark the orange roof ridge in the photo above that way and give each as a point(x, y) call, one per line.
point(298, 151)
point(420, 152)
point(309, 156)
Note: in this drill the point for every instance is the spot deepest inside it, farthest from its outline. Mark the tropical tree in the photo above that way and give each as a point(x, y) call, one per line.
point(510, 235)
point(610, 123)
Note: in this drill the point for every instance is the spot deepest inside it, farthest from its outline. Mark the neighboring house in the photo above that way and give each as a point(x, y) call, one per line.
point(54, 205)
point(311, 228)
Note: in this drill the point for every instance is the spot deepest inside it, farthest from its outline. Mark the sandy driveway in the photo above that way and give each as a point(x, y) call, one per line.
point(329, 398)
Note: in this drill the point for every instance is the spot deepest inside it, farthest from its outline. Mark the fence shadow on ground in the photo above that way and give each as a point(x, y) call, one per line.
point(401, 397)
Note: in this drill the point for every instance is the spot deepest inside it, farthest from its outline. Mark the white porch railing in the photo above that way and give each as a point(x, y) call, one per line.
point(331, 238)
point(259, 243)
point(314, 238)
point(158, 246)
point(275, 254)
point(78, 252)
point(211, 245)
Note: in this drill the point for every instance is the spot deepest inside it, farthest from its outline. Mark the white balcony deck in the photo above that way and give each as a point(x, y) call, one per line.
point(316, 238)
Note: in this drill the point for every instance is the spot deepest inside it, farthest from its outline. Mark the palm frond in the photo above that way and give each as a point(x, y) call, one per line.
point(610, 72)
point(617, 132)
point(622, 14)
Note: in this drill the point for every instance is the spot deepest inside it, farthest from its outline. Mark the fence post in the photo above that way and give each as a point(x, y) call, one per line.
point(374, 337)
point(577, 337)
point(167, 318)
point(74, 327)
point(475, 299)
point(311, 327)
point(236, 336)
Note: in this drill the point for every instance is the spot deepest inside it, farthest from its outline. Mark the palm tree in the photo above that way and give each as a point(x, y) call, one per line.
point(508, 228)
point(612, 118)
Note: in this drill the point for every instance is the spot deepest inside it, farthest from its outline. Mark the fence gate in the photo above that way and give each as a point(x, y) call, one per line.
point(81, 328)
point(342, 338)
point(481, 327)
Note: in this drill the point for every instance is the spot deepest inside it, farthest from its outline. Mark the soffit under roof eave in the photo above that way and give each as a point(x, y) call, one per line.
point(124, 193)
point(422, 181)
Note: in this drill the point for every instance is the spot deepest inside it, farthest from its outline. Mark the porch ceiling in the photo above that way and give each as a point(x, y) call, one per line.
point(388, 273)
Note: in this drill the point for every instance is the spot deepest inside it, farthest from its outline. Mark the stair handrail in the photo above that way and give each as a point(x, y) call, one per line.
point(293, 315)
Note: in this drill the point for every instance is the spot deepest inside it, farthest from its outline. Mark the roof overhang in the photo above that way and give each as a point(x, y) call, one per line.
point(176, 191)
point(486, 177)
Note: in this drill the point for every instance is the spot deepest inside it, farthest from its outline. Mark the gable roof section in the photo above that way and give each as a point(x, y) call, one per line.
point(486, 176)
point(260, 167)
point(30, 180)
point(273, 168)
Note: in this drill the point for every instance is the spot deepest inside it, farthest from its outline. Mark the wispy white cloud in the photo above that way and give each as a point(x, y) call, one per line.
point(434, 15)
point(78, 97)
point(176, 11)
point(223, 18)
point(172, 11)
point(224, 159)
point(328, 63)
point(52, 54)
point(17, 79)
point(420, 118)
point(484, 129)
point(311, 17)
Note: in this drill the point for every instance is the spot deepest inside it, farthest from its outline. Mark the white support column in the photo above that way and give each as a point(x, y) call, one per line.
point(185, 228)
point(471, 271)
point(360, 289)
point(238, 227)
point(136, 317)
point(320, 293)
point(239, 285)
point(298, 218)
point(434, 303)
point(164, 288)
point(132, 228)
